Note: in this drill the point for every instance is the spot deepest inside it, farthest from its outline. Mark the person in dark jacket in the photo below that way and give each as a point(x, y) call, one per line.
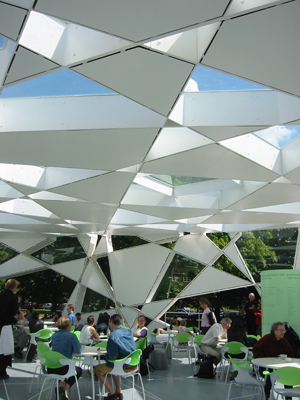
point(236, 332)
point(8, 317)
point(271, 345)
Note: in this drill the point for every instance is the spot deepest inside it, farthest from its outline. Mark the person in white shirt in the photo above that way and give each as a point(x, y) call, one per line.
point(214, 334)
point(140, 330)
point(88, 332)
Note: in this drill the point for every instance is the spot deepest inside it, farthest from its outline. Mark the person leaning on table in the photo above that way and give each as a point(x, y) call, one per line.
point(210, 340)
point(119, 345)
point(271, 345)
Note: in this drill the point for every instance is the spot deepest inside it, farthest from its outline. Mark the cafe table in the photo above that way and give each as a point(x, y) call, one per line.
point(275, 362)
point(89, 352)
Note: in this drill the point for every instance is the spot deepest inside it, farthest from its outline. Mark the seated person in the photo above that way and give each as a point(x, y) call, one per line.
point(183, 329)
point(236, 332)
point(271, 345)
point(88, 332)
point(78, 322)
point(56, 317)
point(28, 312)
point(210, 340)
point(140, 331)
point(70, 311)
point(65, 343)
point(119, 345)
point(176, 323)
point(102, 323)
point(35, 323)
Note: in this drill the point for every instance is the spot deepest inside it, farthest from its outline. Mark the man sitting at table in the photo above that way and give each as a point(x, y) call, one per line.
point(271, 345)
point(119, 345)
point(67, 344)
point(140, 331)
point(210, 340)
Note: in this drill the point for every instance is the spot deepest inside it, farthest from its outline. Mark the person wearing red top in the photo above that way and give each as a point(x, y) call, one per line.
point(271, 345)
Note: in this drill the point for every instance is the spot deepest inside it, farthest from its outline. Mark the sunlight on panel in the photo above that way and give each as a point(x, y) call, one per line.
point(254, 149)
point(42, 34)
point(279, 136)
point(153, 184)
point(28, 175)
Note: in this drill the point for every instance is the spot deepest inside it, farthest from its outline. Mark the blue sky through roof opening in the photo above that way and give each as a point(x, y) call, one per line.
point(209, 79)
point(59, 83)
point(279, 135)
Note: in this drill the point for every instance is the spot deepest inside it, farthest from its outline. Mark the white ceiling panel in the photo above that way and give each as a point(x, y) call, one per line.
point(11, 20)
point(160, 77)
point(262, 36)
point(198, 247)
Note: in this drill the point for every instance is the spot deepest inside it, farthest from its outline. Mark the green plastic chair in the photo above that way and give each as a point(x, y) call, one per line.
point(141, 343)
point(77, 333)
point(42, 334)
point(102, 345)
point(132, 360)
point(184, 341)
point(244, 377)
point(41, 348)
point(53, 359)
point(197, 344)
point(234, 348)
point(289, 376)
point(72, 330)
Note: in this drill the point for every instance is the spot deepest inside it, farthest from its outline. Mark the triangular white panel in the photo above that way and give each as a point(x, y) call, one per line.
point(152, 310)
point(92, 280)
point(146, 69)
point(129, 315)
point(19, 265)
point(126, 267)
point(21, 242)
point(232, 252)
point(71, 269)
point(133, 218)
point(188, 45)
point(27, 64)
point(198, 247)
point(7, 192)
point(174, 140)
point(11, 18)
point(213, 280)
point(61, 176)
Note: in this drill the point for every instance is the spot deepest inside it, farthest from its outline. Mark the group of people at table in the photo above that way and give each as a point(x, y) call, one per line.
point(121, 341)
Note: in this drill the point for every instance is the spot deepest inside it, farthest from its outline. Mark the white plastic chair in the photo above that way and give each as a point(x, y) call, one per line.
point(52, 359)
point(244, 377)
point(234, 348)
point(132, 359)
point(289, 376)
point(184, 342)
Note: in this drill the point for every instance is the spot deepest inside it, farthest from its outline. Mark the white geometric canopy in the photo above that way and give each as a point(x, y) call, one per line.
point(150, 153)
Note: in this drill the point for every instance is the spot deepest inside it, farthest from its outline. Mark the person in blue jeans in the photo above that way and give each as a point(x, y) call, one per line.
point(119, 345)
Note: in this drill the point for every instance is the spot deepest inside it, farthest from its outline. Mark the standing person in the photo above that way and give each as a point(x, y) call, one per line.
point(205, 323)
point(8, 317)
point(88, 332)
point(213, 335)
point(140, 330)
point(250, 308)
point(257, 313)
point(67, 344)
point(20, 335)
point(120, 344)
point(70, 311)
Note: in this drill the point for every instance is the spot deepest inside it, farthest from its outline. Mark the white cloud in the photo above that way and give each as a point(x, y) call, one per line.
point(192, 86)
point(278, 136)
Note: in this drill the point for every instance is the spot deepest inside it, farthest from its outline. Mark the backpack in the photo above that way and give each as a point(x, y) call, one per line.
point(144, 357)
point(206, 370)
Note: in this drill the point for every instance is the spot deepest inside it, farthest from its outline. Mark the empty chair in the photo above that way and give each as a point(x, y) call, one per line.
point(237, 351)
point(288, 376)
point(244, 377)
point(42, 334)
point(183, 342)
point(41, 348)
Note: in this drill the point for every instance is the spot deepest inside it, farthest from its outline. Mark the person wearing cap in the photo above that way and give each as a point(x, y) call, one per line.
point(8, 316)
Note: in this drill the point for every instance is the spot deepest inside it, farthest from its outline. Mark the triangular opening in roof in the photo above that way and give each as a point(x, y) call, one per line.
point(206, 79)
point(58, 83)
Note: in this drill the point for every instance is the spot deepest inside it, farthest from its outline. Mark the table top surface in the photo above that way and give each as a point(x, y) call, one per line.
point(91, 351)
point(276, 362)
